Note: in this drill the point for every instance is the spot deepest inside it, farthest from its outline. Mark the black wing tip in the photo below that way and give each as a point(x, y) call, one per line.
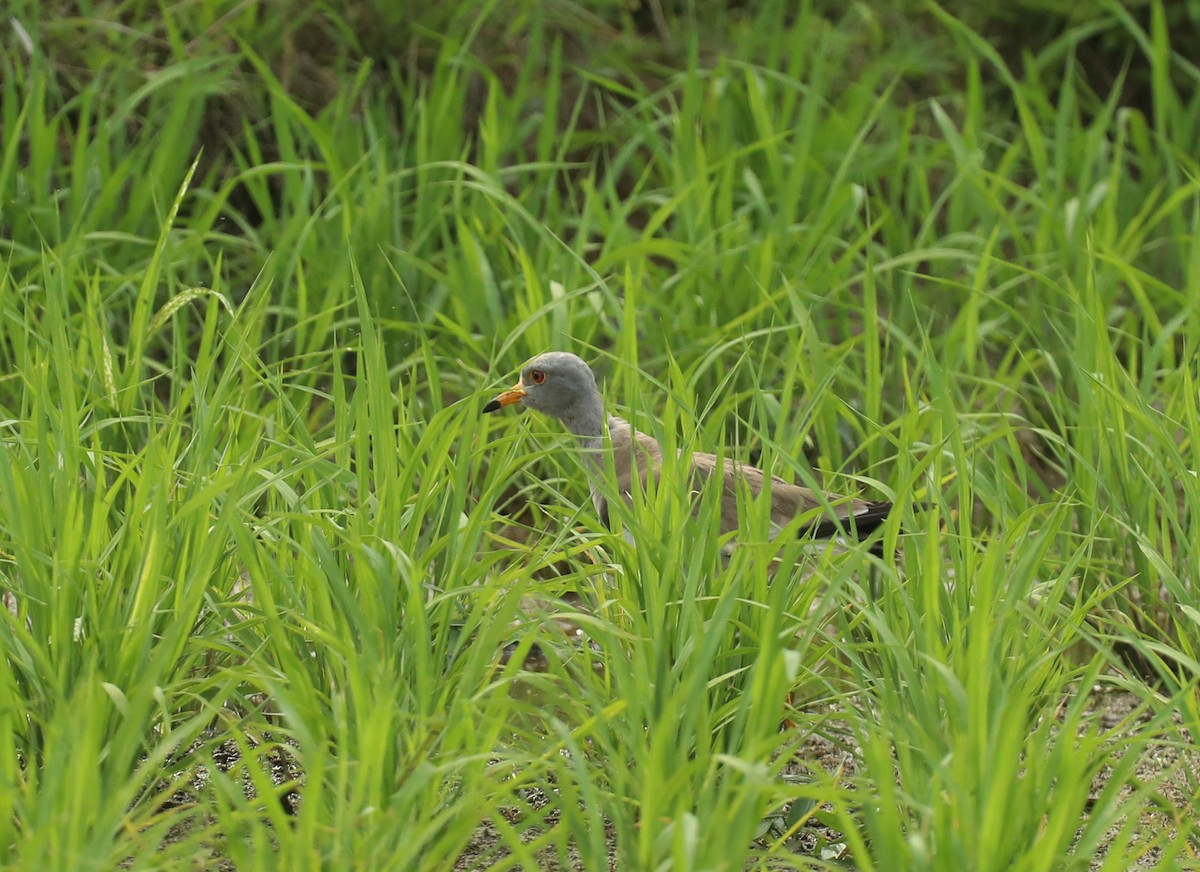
point(858, 525)
point(492, 406)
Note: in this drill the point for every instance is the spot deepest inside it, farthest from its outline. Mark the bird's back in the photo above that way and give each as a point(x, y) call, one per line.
point(638, 455)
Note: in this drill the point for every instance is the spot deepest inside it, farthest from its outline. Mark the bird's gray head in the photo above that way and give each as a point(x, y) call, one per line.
point(558, 384)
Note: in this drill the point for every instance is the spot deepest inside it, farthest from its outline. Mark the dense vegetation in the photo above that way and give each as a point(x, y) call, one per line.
point(279, 597)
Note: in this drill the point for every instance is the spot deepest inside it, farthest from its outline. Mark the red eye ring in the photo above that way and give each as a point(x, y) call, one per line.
point(537, 375)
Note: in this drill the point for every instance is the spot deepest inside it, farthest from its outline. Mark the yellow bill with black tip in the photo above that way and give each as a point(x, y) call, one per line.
point(510, 396)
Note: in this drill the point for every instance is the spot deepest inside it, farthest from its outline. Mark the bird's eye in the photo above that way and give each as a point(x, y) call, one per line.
point(537, 375)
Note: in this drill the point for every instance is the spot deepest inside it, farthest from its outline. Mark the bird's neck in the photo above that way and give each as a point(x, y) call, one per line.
point(587, 421)
point(587, 426)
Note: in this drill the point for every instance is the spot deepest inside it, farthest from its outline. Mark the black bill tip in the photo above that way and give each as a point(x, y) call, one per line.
point(492, 406)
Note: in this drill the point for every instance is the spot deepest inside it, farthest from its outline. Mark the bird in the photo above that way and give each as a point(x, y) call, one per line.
point(563, 386)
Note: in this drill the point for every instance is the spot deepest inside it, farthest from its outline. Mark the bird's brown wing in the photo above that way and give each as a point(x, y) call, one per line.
point(840, 515)
point(636, 456)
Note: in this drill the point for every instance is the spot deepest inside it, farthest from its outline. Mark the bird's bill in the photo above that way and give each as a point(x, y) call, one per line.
point(510, 396)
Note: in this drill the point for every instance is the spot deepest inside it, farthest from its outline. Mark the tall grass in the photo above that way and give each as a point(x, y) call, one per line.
point(267, 604)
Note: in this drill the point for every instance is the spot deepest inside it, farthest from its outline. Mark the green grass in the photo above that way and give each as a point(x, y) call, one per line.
point(260, 267)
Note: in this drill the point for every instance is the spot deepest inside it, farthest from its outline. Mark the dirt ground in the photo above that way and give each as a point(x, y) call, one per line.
point(1163, 764)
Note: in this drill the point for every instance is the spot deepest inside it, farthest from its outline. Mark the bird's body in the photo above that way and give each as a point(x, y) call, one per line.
point(563, 386)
